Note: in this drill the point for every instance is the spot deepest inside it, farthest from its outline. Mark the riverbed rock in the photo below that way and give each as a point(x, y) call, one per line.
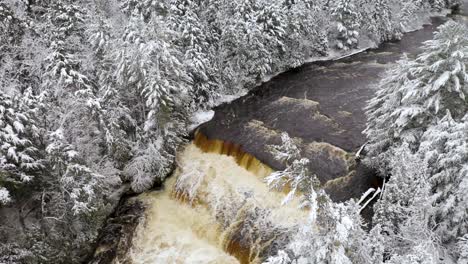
point(321, 105)
point(328, 161)
point(116, 237)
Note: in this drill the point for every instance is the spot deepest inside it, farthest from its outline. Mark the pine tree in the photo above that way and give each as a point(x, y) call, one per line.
point(424, 108)
point(379, 113)
point(148, 65)
point(462, 248)
point(405, 209)
point(419, 91)
point(150, 164)
point(307, 25)
point(438, 4)
point(20, 159)
point(379, 25)
point(348, 22)
point(333, 233)
point(94, 88)
point(77, 182)
point(441, 72)
point(296, 176)
point(251, 40)
point(444, 146)
point(147, 8)
point(287, 151)
point(11, 27)
point(197, 48)
point(114, 105)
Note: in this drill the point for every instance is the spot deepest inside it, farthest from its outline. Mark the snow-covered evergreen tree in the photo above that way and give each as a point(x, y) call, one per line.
point(462, 250)
point(335, 237)
point(333, 232)
point(199, 61)
point(91, 88)
point(307, 29)
point(78, 183)
point(378, 16)
point(444, 146)
point(441, 74)
point(20, 158)
point(405, 209)
point(417, 131)
point(348, 22)
point(418, 91)
point(148, 65)
point(147, 8)
point(380, 114)
point(408, 14)
point(296, 176)
point(242, 45)
point(287, 151)
point(149, 165)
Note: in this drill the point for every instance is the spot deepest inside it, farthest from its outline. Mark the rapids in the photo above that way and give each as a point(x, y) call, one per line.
point(216, 208)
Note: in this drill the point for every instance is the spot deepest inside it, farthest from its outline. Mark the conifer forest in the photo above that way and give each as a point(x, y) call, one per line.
point(234, 131)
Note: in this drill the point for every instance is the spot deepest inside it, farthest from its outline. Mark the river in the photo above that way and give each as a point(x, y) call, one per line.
point(216, 207)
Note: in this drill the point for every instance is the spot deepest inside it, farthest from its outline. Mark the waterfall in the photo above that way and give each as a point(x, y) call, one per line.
point(216, 208)
point(242, 158)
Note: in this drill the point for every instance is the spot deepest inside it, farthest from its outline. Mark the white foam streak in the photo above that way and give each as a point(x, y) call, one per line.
point(219, 202)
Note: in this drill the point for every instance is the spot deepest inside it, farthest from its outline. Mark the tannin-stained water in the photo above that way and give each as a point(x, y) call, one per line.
point(213, 210)
point(176, 232)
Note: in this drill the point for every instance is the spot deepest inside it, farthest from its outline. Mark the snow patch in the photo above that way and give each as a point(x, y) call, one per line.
point(4, 196)
point(199, 118)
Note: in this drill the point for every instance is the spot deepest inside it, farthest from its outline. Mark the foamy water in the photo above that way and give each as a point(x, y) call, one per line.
point(214, 211)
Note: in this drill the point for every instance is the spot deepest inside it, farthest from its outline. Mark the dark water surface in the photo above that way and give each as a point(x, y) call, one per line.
point(321, 105)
